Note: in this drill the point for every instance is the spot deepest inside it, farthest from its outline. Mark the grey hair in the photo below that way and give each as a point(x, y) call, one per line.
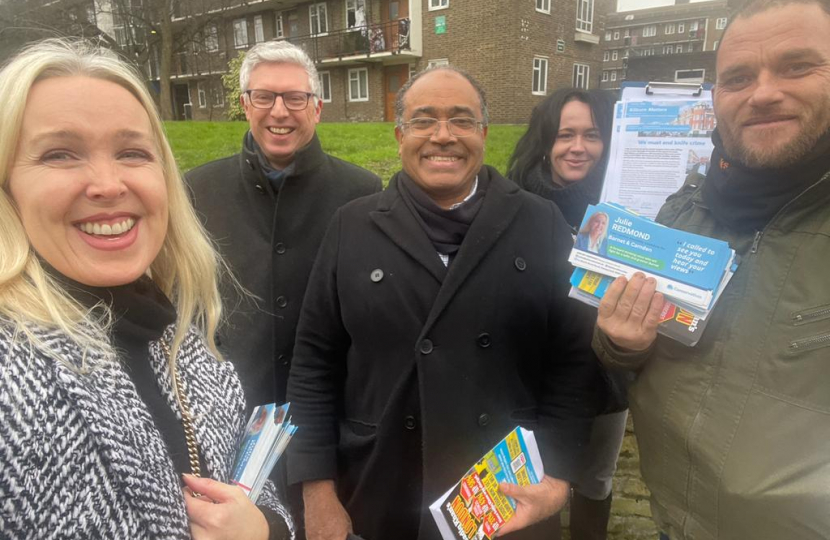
point(277, 52)
point(399, 107)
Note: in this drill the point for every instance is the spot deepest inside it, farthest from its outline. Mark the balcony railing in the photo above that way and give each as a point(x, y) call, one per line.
point(368, 40)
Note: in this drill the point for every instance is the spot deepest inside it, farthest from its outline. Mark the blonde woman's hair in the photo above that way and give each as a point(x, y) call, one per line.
point(185, 269)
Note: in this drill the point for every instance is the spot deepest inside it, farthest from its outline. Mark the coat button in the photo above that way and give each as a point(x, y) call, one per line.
point(279, 247)
point(283, 359)
point(376, 275)
point(483, 340)
point(250, 164)
point(426, 346)
point(260, 189)
point(409, 423)
point(484, 419)
point(282, 301)
point(520, 264)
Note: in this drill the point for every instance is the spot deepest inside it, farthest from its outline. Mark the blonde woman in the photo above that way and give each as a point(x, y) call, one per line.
point(115, 407)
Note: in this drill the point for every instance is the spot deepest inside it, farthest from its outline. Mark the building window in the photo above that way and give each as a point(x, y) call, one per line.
point(720, 24)
point(606, 56)
point(318, 19)
point(543, 6)
point(627, 32)
point(540, 75)
point(259, 33)
point(668, 49)
point(211, 38)
point(669, 28)
point(279, 29)
point(438, 4)
point(691, 47)
point(715, 45)
point(438, 62)
point(616, 35)
point(355, 13)
point(585, 16)
point(324, 82)
point(650, 31)
point(614, 55)
point(681, 27)
point(604, 76)
point(693, 26)
point(217, 96)
point(613, 75)
point(581, 74)
point(200, 92)
point(689, 75)
point(359, 84)
point(607, 36)
point(678, 49)
point(240, 33)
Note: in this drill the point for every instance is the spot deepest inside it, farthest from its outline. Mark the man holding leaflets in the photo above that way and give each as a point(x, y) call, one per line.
point(436, 321)
point(734, 433)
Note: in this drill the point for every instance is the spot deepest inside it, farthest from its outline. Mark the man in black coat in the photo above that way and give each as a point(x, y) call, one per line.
point(436, 320)
point(267, 208)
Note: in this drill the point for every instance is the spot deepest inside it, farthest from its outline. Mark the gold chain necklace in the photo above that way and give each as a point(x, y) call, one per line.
point(187, 415)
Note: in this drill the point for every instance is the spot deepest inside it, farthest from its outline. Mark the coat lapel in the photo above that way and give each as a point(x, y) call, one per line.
point(501, 203)
point(397, 222)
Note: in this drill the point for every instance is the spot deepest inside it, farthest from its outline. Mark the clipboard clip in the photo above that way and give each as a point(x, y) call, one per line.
point(691, 89)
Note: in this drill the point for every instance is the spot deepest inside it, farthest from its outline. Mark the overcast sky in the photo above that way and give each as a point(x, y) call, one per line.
point(628, 5)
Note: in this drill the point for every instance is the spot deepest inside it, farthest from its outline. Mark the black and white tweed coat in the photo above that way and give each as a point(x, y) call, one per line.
point(80, 456)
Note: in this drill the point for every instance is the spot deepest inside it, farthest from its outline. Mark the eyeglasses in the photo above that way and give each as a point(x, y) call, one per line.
point(427, 127)
point(264, 99)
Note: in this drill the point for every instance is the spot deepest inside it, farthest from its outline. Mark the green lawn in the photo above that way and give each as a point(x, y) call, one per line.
point(370, 145)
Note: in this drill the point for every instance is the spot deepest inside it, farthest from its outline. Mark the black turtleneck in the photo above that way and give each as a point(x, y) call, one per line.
point(573, 199)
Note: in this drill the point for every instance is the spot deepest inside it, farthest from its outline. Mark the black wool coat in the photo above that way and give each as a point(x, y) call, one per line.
point(406, 372)
point(270, 240)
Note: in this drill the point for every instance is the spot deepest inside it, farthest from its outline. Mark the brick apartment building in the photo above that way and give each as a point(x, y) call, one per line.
point(520, 50)
point(682, 39)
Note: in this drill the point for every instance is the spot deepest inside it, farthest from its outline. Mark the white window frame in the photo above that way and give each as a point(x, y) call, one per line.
point(543, 6)
point(324, 82)
point(616, 35)
point(211, 38)
point(259, 31)
point(604, 76)
point(240, 33)
point(355, 75)
point(279, 26)
point(720, 23)
point(669, 28)
point(715, 45)
point(650, 30)
point(681, 28)
point(201, 94)
point(627, 32)
point(217, 90)
point(607, 36)
point(438, 62)
point(668, 49)
point(539, 81)
point(438, 4)
point(615, 55)
point(322, 22)
point(678, 49)
point(352, 5)
point(693, 26)
point(613, 75)
point(585, 16)
point(606, 56)
point(581, 72)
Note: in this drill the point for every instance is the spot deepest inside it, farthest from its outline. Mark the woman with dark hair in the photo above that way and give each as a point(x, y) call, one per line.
point(562, 157)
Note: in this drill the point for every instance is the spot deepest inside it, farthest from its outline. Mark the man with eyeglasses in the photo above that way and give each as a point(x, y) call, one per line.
point(268, 207)
point(436, 320)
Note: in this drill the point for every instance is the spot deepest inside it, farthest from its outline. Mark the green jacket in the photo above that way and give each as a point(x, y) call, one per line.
point(734, 433)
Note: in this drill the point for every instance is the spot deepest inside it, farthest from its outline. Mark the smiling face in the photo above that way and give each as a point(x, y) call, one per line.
point(443, 165)
point(772, 97)
point(87, 181)
point(599, 222)
point(278, 131)
point(578, 145)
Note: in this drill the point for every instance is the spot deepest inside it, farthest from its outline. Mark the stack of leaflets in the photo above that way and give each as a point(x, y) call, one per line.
point(475, 508)
point(266, 436)
point(691, 270)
